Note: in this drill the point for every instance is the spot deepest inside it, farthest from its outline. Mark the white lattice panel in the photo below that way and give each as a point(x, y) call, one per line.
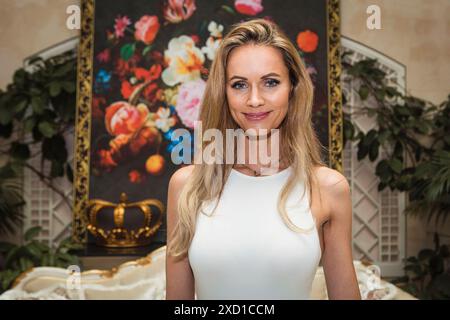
point(45, 207)
point(378, 219)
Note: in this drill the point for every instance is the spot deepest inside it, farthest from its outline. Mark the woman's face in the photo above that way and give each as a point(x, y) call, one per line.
point(257, 87)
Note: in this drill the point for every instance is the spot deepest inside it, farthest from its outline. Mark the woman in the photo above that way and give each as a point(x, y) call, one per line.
point(262, 236)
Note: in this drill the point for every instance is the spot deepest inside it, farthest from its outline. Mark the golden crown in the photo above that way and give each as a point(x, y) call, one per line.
point(119, 236)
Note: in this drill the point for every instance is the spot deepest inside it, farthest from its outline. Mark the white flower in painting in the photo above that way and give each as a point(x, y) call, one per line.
point(211, 47)
point(184, 61)
point(164, 121)
point(215, 29)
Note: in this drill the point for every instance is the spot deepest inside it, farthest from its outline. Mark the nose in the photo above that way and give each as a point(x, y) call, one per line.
point(255, 99)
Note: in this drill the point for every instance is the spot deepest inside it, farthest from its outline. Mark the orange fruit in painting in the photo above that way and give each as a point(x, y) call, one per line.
point(307, 41)
point(155, 164)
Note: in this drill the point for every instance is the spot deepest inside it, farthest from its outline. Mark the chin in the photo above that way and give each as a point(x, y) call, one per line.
point(258, 130)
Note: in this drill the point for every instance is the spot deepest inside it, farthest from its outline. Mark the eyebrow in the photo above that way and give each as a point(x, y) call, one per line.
point(271, 74)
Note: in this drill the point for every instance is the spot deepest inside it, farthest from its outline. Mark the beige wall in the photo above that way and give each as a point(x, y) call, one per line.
point(414, 32)
point(28, 26)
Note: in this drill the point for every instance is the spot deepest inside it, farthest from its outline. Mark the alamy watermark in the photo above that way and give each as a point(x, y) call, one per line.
point(253, 146)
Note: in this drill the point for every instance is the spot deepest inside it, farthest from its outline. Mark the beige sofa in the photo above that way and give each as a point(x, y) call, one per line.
point(145, 279)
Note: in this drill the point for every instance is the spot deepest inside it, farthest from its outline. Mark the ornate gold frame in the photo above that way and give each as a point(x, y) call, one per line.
point(335, 118)
point(84, 99)
point(83, 122)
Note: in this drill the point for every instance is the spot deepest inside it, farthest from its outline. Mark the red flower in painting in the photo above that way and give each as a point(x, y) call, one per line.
point(142, 75)
point(123, 68)
point(135, 176)
point(176, 11)
point(104, 56)
point(121, 24)
point(127, 90)
point(248, 7)
point(157, 57)
point(146, 29)
point(97, 102)
point(147, 136)
point(119, 142)
point(106, 159)
point(123, 118)
point(307, 41)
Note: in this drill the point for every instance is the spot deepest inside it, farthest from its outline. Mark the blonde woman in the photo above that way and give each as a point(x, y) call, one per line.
point(234, 233)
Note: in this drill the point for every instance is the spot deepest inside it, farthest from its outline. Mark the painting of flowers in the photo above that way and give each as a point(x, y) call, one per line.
point(150, 67)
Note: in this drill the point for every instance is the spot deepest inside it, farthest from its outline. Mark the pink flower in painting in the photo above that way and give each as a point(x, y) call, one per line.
point(121, 24)
point(248, 7)
point(176, 11)
point(311, 70)
point(190, 96)
point(104, 56)
point(123, 118)
point(146, 29)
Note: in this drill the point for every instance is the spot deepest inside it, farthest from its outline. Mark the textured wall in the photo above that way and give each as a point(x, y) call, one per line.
point(28, 26)
point(415, 33)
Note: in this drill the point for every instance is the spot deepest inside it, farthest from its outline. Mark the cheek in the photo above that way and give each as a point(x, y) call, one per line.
point(279, 100)
point(234, 100)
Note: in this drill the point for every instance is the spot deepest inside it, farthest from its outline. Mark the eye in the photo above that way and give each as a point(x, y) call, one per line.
point(238, 85)
point(272, 82)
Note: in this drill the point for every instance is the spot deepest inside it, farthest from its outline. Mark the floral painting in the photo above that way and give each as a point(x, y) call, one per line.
point(150, 66)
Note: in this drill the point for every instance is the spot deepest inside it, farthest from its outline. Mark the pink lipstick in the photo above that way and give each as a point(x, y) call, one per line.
point(256, 116)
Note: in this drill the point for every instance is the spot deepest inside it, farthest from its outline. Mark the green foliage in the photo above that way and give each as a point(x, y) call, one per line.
point(11, 202)
point(127, 51)
point(33, 253)
point(37, 108)
point(422, 169)
point(428, 274)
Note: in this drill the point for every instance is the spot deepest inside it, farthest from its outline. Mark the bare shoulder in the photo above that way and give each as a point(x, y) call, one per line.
point(334, 185)
point(335, 188)
point(176, 184)
point(180, 177)
point(330, 180)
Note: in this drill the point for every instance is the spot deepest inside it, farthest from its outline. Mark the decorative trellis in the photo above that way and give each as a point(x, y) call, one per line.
point(45, 207)
point(378, 219)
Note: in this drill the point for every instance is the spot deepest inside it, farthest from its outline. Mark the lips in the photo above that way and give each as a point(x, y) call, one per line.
point(256, 115)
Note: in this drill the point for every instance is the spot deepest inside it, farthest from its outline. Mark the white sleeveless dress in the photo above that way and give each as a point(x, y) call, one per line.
point(244, 250)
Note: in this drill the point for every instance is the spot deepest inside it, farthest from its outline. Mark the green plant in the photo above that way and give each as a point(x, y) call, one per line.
point(414, 135)
point(37, 109)
point(33, 253)
point(428, 274)
point(11, 202)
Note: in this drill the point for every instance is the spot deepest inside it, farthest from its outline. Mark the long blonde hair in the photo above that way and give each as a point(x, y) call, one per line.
point(300, 145)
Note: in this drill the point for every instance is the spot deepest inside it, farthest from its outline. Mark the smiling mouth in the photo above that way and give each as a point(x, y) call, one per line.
point(256, 115)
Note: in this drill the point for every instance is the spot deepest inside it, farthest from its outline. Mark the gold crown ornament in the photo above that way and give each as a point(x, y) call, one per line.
point(119, 236)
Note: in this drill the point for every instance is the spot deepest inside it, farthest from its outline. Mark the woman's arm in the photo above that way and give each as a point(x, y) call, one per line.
point(337, 259)
point(179, 276)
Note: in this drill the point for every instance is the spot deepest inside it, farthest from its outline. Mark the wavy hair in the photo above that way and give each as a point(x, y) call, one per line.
point(299, 143)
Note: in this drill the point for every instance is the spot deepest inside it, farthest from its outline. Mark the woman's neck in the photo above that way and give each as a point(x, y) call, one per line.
point(262, 156)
